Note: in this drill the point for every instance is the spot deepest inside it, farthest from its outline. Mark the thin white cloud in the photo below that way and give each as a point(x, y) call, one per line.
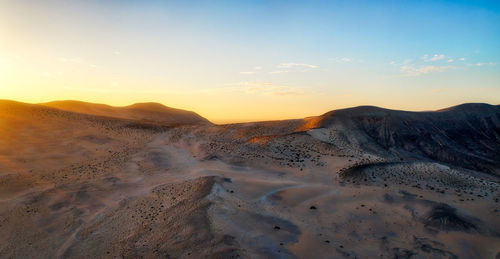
point(435, 57)
point(450, 60)
point(417, 71)
point(249, 72)
point(461, 59)
point(341, 60)
point(291, 65)
point(480, 64)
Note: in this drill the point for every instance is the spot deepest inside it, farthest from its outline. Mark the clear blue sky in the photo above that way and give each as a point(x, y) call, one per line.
point(252, 60)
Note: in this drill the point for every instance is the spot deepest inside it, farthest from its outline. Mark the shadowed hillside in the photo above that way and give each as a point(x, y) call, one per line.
point(466, 135)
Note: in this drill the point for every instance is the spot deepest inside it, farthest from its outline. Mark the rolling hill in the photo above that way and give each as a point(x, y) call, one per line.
point(143, 112)
point(91, 180)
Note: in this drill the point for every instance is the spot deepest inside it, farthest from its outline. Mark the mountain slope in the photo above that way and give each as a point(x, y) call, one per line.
point(143, 112)
point(37, 142)
point(466, 135)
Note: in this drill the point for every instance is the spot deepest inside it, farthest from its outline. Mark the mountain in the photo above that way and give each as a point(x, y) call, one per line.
point(36, 137)
point(92, 180)
point(466, 135)
point(154, 113)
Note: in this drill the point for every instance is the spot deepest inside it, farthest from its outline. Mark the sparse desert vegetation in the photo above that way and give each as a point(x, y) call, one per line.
point(345, 185)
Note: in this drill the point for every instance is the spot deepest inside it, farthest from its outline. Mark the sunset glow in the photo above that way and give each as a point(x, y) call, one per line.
point(261, 60)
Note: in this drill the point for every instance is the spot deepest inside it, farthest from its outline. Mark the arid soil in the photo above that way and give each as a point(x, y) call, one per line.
point(356, 183)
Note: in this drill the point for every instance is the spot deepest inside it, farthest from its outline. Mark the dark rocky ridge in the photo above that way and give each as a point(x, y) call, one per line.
point(466, 135)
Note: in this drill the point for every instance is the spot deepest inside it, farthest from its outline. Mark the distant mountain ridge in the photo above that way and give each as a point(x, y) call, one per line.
point(143, 112)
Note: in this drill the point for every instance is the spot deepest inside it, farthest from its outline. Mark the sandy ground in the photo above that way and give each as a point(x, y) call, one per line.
point(81, 187)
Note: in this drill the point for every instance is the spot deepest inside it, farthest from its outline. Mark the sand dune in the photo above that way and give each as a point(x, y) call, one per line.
point(143, 112)
point(88, 180)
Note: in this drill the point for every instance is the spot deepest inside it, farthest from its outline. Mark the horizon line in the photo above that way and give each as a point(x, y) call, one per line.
point(239, 122)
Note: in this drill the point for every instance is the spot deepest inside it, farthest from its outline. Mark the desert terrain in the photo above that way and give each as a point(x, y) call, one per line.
point(82, 180)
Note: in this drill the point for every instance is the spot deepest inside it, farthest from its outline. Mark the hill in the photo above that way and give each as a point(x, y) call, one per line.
point(353, 183)
point(143, 112)
point(466, 135)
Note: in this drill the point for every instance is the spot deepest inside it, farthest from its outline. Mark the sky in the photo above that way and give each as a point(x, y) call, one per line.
point(235, 61)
